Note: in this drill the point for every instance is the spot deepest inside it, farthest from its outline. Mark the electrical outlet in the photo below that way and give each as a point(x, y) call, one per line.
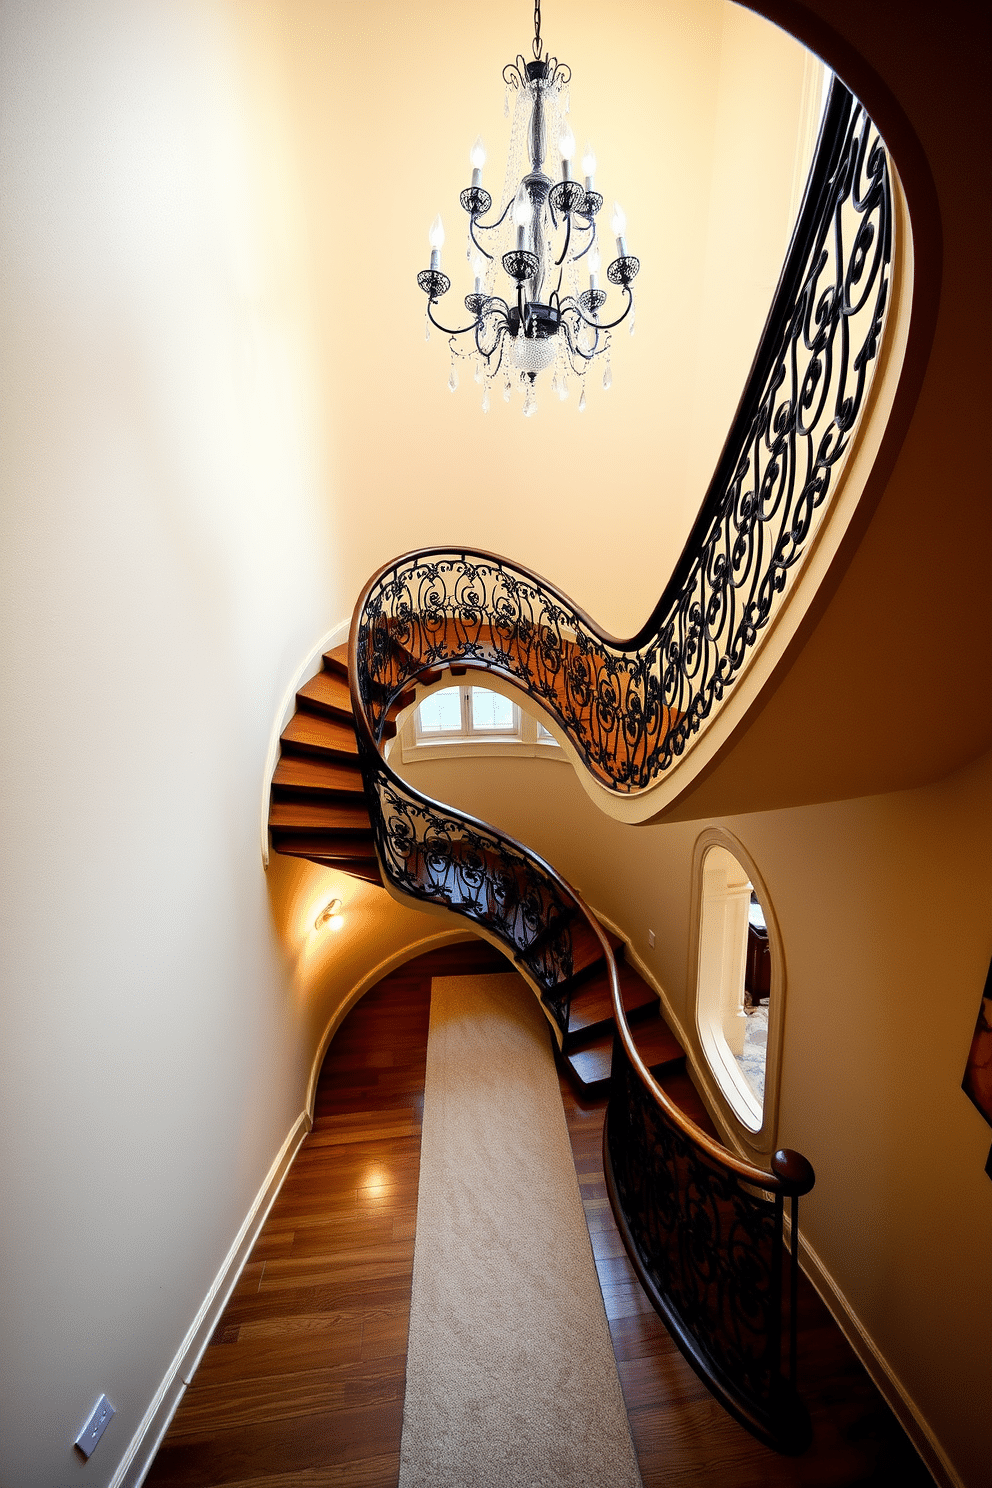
point(95, 1427)
point(651, 939)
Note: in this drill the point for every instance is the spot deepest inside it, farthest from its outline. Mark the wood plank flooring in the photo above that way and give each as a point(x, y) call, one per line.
point(302, 1384)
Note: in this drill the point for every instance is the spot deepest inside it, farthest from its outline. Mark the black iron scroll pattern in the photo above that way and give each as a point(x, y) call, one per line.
point(710, 1247)
point(632, 708)
point(441, 857)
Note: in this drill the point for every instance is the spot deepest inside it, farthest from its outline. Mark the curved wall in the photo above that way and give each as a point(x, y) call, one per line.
point(882, 904)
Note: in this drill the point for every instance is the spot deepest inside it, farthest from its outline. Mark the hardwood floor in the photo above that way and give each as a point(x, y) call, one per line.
point(682, 1436)
point(302, 1384)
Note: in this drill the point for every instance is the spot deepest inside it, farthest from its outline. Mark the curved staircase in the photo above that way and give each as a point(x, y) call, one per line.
point(704, 1228)
point(318, 811)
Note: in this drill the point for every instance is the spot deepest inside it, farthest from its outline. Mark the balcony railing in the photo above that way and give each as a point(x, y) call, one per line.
point(632, 708)
point(704, 1229)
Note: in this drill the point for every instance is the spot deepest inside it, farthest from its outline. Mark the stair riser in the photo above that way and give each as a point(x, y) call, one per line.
point(333, 753)
point(316, 709)
point(317, 795)
point(577, 1037)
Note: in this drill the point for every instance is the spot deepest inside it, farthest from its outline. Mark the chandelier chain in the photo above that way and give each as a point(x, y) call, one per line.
point(537, 30)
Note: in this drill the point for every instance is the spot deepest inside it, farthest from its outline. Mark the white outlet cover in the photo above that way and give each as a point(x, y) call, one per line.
point(97, 1424)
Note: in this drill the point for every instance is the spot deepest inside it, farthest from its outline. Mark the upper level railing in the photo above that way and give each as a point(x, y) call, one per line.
point(704, 1228)
point(632, 708)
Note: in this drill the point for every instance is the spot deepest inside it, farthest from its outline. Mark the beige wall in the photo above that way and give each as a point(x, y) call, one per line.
point(676, 98)
point(166, 561)
point(195, 484)
point(883, 905)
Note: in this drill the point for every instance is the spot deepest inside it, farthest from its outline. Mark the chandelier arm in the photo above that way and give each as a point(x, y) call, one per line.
point(492, 226)
point(447, 329)
point(590, 227)
point(501, 324)
point(471, 232)
point(598, 325)
point(568, 239)
point(574, 349)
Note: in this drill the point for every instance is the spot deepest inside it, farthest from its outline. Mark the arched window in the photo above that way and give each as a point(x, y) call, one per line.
point(738, 977)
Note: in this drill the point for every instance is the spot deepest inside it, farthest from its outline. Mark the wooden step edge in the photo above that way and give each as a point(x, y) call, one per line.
point(578, 1036)
point(318, 708)
point(310, 749)
point(590, 1067)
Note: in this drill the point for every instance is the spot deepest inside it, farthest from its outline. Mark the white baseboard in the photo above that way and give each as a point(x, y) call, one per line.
point(887, 1382)
point(147, 1439)
point(880, 1371)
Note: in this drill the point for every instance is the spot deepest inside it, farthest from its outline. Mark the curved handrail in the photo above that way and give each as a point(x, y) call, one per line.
point(631, 708)
point(790, 1175)
point(443, 856)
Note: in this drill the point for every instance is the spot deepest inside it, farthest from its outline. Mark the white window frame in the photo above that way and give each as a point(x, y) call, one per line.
point(718, 933)
point(523, 741)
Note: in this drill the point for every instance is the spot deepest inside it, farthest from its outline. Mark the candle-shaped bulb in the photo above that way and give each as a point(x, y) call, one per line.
point(521, 207)
point(619, 225)
point(589, 161)
point(477, 154)
point(436, 236)
point(566, 143)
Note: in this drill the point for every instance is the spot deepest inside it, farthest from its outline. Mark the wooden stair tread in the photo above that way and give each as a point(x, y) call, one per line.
point(309, 731)
point(592, 1003)
point(328, 692)
point(656, 1044)
point(331, 816)
point(336, 661)
point(324, 777)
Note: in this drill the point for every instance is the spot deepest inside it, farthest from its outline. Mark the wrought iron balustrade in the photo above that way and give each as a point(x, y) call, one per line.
point(704, 1229)
point(705, 1232)
point(632, 708)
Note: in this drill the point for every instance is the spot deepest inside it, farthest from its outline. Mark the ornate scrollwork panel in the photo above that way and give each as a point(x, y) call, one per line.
point(631, 710)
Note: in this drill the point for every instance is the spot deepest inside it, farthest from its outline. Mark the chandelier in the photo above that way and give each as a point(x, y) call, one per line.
point(544, 241)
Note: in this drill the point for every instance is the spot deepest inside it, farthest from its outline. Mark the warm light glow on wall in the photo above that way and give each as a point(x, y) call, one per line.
point(330, 915)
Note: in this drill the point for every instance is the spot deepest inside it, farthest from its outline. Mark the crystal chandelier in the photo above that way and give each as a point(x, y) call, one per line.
point(544, 241)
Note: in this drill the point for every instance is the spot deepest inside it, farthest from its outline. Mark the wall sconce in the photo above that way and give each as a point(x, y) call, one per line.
point(330, 915)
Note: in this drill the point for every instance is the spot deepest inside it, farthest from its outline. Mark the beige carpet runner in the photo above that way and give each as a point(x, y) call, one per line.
point(511, 1379)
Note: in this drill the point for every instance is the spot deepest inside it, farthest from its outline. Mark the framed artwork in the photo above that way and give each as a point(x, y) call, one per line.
point(977, 1082)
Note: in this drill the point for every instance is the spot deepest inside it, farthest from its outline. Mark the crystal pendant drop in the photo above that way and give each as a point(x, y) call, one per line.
point(478, 372)
point(452, 380)
point(554, 383)
point(485, 400)
point(506, 103)
point(633, 321)
point(582, 400)
point(563, 389)
point(507, 391)
point(530, 406)
point(608, 377)
point(427, 324)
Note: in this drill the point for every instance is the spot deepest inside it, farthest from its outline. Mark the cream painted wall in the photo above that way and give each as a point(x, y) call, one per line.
point(167, 557)
point(195, 484)
point(699, 112)
point(883, 904)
